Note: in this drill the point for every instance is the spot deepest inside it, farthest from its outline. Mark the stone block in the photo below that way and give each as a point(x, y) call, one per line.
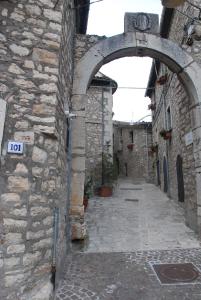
point(15, 279)
point(12, 223)
point(12, 249)
point(19, 50)
point(44, 56)
point(35, 235)
point(44, 243)
point(9, 263)
point(21, 169)
point(11, 199)
point(40, 211)
point(78, 231)
point(31, 258)
point(39, 155)
point(18, 184)
point(13, 238)
point(143, 22)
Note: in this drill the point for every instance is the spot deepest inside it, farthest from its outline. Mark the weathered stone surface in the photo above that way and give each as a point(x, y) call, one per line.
point(37, 172)
point(19, 50)
point(22, 212)
point(78, 231)
point(15, 223)
point(15, 69)
point(18, 184)
point(49, 88)
point(48, 221)
point(141, 22)
point(11, 262)
point(43, 243)
point(35, 235)
point(11, 199)
point(39, 155)
point(13, 238)
point(39, 210)
point(40, 120)
point(21, 168)
point(24, 84)
point(33, 10)
point(45, 56)
point(31, 258)
point(15, 249)
point(11, 280)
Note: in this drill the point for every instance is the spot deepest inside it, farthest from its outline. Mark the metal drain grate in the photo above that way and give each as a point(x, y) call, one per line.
point(132, 200)
point(176, 273)
point(131, 189)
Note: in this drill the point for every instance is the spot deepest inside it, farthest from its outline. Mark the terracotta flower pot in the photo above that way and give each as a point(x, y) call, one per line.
point(105, 191)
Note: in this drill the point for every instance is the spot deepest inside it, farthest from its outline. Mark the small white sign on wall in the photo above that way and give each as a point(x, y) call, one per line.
point(189, 138)
point(15, 147)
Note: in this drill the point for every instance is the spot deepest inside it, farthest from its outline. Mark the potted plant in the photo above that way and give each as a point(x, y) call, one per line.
point(87, 191)
point(108, 176)
point(130, 147)
point(152, 106)
point(153, 149)
point(166, 134)
point(162, 79)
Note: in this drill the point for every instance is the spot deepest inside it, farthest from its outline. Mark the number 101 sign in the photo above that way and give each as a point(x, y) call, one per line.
point(15, 147)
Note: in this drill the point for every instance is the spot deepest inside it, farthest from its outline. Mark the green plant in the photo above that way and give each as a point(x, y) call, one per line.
point(166, 134)
point(88, 187)
point(108, 169)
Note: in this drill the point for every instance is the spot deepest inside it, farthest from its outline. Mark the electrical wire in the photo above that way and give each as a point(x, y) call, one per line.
point(84, 5)
point(196, 6)
point(193, 19)
point(135, 88)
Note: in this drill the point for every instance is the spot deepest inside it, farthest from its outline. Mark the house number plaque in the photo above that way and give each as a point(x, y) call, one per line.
point(15, 147)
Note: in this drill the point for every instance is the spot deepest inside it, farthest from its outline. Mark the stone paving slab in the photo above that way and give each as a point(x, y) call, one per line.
point(126, 276)
point(153, 222)
point(125, 239)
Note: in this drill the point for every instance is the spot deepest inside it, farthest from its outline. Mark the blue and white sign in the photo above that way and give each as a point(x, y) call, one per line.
point(15, 147)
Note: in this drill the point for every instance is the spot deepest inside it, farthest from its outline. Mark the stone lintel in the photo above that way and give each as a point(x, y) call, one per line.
point(143, 22)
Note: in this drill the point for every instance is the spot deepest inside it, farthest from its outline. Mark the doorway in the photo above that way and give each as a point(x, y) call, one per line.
point(180, 179)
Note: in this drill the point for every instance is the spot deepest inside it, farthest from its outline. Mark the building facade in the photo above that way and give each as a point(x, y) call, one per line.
point(99, 126)
point(173, 121)
point(36, 61)
point(133, 150)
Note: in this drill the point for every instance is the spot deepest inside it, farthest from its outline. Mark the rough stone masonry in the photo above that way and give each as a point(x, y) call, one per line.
point(35, 45)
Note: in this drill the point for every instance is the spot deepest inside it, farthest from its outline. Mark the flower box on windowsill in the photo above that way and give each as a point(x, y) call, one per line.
point(153, 149)
point(152, 106)
point(166, 134)
point(130, 147)
point(162, 79)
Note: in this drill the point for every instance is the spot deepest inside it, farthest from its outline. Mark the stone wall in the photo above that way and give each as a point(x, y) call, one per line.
point(173, 97)
point(132, 149)
point(99, 131)
point(36, 82)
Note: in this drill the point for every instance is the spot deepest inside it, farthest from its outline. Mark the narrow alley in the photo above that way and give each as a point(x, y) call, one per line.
point(129, 236)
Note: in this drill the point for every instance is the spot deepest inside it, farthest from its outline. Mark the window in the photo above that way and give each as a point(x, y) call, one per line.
point(131, 137)
point(169, 120)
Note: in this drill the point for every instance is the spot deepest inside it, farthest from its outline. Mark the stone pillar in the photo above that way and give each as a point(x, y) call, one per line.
point(78, 228)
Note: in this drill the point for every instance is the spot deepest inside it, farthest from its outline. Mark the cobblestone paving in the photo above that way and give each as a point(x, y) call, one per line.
point(100, 270)
point(125, 276)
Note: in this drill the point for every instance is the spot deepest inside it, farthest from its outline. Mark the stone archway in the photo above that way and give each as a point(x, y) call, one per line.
point(108, 49)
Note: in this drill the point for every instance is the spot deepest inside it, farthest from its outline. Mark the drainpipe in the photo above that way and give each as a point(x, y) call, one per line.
point(103, 130)
point(166, 145)
point(55, 237)
point(147, 153)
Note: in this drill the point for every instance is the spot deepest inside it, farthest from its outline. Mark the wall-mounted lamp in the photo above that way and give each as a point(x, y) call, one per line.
point(172, 3)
